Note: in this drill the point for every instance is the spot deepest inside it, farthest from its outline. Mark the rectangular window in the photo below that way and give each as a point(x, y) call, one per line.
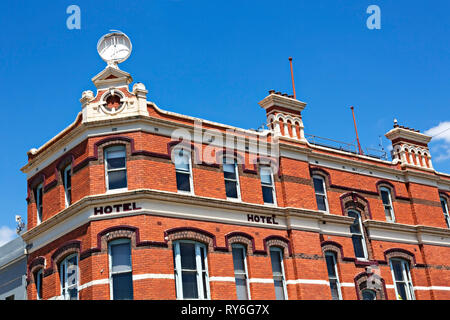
point(116, 168)
point(121, 277)
point(38, 199)
point(68, 271)
point(183, 171)
point(402, 279)
point(333, 276)
point(240, 272)
point(387, 203)
point(276, 258)
point(67, 179)
point(191, 271)
point(359, 242)
point(444, 205)
point(231, 178)
point(320, 191)
point(268, 189)
point(38, 280)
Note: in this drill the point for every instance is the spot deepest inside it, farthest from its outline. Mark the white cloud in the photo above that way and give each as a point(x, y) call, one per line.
point(441, 133)
point(6, 235)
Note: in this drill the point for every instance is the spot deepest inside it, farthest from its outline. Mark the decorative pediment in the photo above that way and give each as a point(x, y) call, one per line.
point(112, 77)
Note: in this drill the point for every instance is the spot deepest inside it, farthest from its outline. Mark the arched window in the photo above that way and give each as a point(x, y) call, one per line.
point(368, 294)
point(335, 286)
point(38, 199)
point(401, 275)
point(116, 168)
point(67, 182)
point(120, 270)
point(279, 280)
point(240, 271)
point(387, 204)
point(38, 275)
point(267, 184)
point(321, 193)
point(183, 171)
point(230, 172)
point(357, 231)
point(444, 205)
point(68, 273)
point(191, 270)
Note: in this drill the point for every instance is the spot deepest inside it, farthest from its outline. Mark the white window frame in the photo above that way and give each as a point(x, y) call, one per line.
point(105, 152)
point(444, 201)
point(317, 176)
point(363, 238)
point(283, 280)
point(236, 170)
point(67, 191)
point(39, 208)
point(198, 263)
point(38, 275)
point(64, 284)
point(191, 180)
point(111, 273)
point(406, 276)
point(242, 247)
point(389, 205)
point(272, 186)
point(338, 283)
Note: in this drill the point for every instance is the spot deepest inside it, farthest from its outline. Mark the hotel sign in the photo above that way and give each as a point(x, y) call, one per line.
point(116, 208)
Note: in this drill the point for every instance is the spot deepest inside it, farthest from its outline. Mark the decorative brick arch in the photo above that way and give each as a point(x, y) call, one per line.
point(401, 254)
point(240, 238)
point(370, 281)
point(354, 201)
point(117, 232)
point(68, 248)
point(323, 173)
point(35, 265)
point(279, 242)
point(190, 233)
point(334, 247)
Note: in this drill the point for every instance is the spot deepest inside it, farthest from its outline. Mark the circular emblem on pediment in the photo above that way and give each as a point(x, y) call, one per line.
point(113, 102)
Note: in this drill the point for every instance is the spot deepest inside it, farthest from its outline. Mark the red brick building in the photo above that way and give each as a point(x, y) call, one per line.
point(132, 201)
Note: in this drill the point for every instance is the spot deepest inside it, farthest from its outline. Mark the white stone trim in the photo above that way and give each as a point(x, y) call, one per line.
point(224, 279)
point(93, 283)
point(144, 276)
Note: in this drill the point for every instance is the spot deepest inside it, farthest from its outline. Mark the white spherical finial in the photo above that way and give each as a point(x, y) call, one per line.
point(114, 47)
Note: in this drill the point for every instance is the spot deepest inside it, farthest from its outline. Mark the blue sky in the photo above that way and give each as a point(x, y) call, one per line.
point(217, 59)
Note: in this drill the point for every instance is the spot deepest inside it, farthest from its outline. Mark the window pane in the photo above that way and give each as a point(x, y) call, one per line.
point(241, 289)
point(231, 189)
point(122, 286)
point(444, 205)
point(334, 289)
point(121, 257)
point(238, 260)
point(321, 202)
point(266, 176)
point(279, 292)
point(276, 262)
point(117, 179)
point(354, 228)
point(401, 291)
point(318, 185)
point(187, 251)
point(181, 161)
point(369, 295)
point(267, 194)
point(330, 265)
point(183, 182)
point(385, 197)
point(73, 293)
point(68, 179)
point(205, 291)
point(189, 279)
point(398, 270)
point(388, 213)
point(116, 163)
point(358, 246)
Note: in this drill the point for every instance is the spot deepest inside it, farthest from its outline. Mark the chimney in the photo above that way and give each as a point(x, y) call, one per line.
point(409, 147)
